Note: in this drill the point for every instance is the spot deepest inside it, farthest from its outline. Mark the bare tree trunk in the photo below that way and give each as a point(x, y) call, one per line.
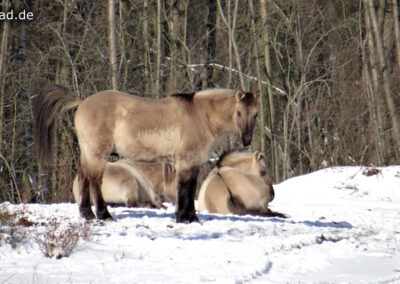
point(396, 27)
point(186, 52)
point(61, 70)
point(261, 113)
point(231, 31)
point(271, 105)
point(61, 78)
point(158, 61)
point(372, 86)
point(146, 55)
point(394, 119)
point(22, 99)
point(211, 40)
point(3, 68)
point(123, 62)
point(230, 48)
point(173, 23)
point(112, 44)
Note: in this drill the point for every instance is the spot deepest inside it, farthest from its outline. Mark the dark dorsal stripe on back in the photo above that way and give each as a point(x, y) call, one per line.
point(223, 156)
point(188, 97)
point(227, 153)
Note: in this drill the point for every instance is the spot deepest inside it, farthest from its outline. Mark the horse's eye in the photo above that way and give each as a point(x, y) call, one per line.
point(239, 113)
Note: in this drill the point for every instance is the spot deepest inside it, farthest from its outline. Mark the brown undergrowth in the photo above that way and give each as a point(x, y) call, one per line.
point(56, 238)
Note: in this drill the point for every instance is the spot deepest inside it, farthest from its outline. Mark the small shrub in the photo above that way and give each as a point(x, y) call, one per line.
point(10, 230)
point(59, 240)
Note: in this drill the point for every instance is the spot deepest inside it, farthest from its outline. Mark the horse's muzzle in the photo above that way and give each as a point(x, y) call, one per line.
point(246, 140)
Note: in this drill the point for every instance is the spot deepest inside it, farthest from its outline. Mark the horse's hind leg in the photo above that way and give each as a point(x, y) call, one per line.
point(187, 181)
point(91, 189)
point(84, 207)
point(94, 132)
point(97, 196)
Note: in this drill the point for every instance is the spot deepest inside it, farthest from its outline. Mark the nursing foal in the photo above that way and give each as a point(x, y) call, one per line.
point(123, 184)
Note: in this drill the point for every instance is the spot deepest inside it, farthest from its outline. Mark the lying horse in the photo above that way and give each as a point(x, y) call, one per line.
point(157, 175)
point(248, 162)
point(238, 185)
point(123, 184)
point(182, 128)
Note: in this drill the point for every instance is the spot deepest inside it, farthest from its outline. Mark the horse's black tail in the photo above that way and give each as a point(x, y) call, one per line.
point(50, 101)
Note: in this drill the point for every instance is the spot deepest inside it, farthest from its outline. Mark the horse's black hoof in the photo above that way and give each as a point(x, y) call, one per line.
point(86, 213)
point(103, 214)
point(186, 219)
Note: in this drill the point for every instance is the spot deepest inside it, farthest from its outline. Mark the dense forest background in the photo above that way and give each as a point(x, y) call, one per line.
point(328, 71)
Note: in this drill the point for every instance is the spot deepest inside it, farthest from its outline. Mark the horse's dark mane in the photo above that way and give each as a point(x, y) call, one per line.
point(225, 154)
point(188, 97)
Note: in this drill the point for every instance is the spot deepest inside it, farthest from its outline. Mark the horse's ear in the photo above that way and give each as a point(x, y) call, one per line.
point(258, 156)
point(257, 95)
point(240, 95)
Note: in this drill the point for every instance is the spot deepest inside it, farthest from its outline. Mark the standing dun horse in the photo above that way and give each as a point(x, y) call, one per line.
point(182, 128)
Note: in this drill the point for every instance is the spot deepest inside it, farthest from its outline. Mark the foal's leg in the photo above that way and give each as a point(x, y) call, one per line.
point(185, 211)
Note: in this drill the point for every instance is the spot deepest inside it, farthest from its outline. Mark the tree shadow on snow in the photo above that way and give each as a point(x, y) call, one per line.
point(138, 214)
point(205, 217)
point(339, 225)
point(249, 218)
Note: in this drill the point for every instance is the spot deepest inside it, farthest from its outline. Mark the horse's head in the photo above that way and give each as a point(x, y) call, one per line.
point(245, 115)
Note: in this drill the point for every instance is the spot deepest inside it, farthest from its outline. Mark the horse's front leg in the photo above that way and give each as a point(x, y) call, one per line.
point(187, 181)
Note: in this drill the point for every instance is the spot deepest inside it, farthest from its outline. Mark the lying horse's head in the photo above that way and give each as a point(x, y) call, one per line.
point(245, 115)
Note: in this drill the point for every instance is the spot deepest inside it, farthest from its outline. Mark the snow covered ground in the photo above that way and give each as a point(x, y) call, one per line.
point(344, 226)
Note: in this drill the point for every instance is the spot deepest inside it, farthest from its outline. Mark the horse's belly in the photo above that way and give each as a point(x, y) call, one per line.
point(150, 144)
